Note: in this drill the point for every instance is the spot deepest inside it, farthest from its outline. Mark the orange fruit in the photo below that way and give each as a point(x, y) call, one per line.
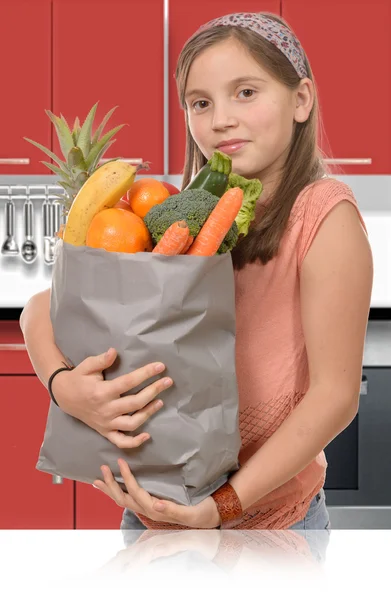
point(118, 230)
point(146, 193)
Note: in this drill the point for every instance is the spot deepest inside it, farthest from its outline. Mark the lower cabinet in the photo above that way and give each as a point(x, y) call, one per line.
point(28, 499)
point(95, 510)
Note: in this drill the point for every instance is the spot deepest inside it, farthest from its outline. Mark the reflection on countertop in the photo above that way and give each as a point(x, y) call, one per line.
point(195, 564)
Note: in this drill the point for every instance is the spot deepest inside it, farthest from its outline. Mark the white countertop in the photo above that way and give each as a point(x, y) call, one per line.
point(195, 564)
point(377, 351)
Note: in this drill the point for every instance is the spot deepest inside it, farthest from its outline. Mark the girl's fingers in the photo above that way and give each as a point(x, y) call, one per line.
point(121, 440)
point(131, 423)
point(111, 488)
point(138, 494)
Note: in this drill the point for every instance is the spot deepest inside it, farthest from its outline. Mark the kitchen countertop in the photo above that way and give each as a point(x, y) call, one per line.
point(196, 564)
point(377, 351)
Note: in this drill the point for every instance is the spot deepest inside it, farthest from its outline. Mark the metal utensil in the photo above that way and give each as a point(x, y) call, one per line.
point(29, 247)
point(10, 246)
point(47, 218)
point(56, 224)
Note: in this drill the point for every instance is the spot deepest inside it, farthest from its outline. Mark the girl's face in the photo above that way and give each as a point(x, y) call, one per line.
point(234, 105)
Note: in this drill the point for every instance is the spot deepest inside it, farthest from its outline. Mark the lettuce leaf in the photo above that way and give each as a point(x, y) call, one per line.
point(252, 189)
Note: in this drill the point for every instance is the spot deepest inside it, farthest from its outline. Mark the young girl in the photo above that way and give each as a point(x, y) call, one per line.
point(303, 287)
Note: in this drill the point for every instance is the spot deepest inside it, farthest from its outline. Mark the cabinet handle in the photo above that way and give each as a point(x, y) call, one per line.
point(57, 479)
point(14, 161)
point(364, 386)
point(13, 347)
point(348, 161)
point(132, 161)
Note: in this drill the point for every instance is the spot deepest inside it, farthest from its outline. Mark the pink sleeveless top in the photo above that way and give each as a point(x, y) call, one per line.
point(271, 359)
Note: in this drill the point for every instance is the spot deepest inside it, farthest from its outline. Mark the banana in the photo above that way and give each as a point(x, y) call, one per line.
point(103, 189)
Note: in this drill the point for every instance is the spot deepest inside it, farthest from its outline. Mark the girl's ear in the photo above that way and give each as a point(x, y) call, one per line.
point(304, 97)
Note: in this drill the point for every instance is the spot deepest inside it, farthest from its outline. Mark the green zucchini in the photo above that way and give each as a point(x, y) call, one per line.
point(213, 177)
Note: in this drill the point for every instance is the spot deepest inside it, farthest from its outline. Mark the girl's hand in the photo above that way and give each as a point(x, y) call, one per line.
point(85, 395)
point(156, 543)
point(202, 516)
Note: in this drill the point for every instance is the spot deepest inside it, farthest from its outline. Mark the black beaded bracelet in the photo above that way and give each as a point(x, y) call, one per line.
point(52, 376)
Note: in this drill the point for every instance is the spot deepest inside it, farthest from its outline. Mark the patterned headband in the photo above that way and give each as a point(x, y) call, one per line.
point(273, 31)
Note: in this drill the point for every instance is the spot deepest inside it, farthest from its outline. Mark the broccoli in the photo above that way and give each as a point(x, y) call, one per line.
point(193, 206)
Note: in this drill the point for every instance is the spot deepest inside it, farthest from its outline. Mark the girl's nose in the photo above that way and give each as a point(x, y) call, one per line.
point(222, 119)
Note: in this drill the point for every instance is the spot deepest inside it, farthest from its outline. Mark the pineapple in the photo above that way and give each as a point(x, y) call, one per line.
point(82, 151)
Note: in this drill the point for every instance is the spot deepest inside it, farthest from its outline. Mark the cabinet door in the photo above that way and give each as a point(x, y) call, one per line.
point(13, 354)
point(25, 50)
point(95, 510)
point(111, 51)
point(29, 499)
point(184, 20)
point(349, 47)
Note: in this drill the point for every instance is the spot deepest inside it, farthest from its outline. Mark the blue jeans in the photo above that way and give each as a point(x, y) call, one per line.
point(317, 517)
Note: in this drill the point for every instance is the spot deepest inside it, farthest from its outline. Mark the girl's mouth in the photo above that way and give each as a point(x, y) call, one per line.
point(231, 148)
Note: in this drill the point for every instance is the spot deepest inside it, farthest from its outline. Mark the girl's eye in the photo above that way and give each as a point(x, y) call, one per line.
point(200, 104)
point(247, 93)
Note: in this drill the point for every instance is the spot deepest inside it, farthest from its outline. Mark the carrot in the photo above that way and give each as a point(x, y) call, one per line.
point(190, 240)
point(174, 239)
point(216, 227)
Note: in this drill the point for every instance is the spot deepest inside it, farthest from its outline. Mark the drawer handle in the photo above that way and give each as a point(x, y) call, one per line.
point(348, 161)
point(131, 161)
point(364, 386)
point(13, 347)
point(14, 161)
point(57, 479)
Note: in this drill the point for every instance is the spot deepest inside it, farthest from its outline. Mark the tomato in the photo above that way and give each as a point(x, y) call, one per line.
point(171, 188)
point(123, 203)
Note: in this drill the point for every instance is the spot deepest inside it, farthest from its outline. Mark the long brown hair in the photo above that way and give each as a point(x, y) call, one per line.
point(304, 162)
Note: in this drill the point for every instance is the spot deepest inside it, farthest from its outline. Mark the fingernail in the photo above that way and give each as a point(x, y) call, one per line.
point(167, 381)
point(159, 506)
point(159, 367)
point(159, 404)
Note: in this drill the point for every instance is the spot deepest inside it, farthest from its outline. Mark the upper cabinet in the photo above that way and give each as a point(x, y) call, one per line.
point(184, 20)
point(111, 51)
point(349, 47)
point(25, 50)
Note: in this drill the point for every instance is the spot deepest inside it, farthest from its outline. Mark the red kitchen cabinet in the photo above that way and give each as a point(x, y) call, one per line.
point(184, 19)
point(29, 499)
point(25, 50)
point(349, 47)
point(111, 51)
point(95, 510)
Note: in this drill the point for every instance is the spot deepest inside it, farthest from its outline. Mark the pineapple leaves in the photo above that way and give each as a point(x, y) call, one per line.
point(55, 169)
point(76, 130)
point(76, 159)
point(64, 135)
point(84, 139)
point(101, 127)
point(81, 179)
point(94, 164)
point(48, 152)
point(64, 120)
point(96, 150)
